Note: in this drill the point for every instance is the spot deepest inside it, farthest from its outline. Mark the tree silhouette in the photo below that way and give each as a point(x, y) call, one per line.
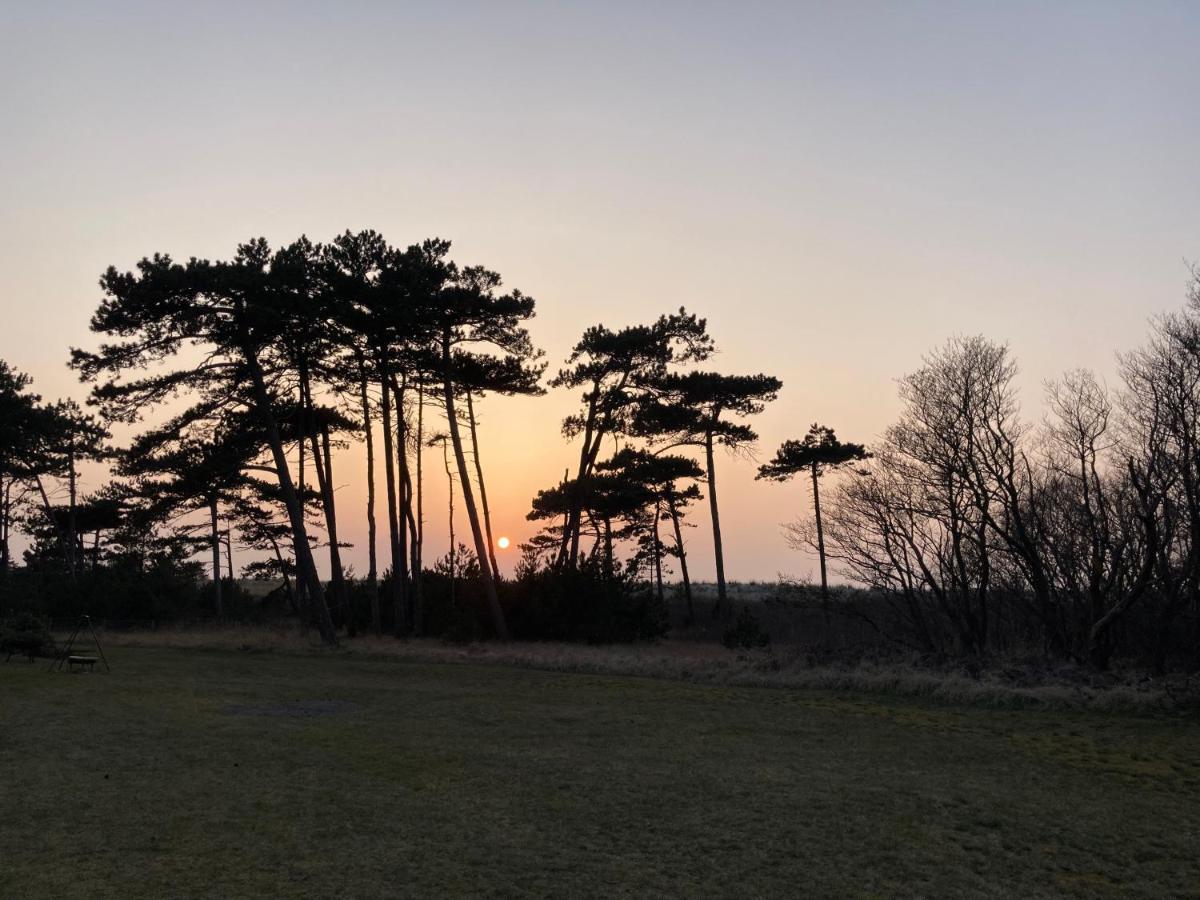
point(478, 375)
point(21, 423)
point(619, 372)
point(657, 476)
point(235, 315)
point(178, 471)
point(689, 411)
point(819, 452)
point(466, 310)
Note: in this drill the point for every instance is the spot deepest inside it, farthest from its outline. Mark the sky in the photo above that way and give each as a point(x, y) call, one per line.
point(837, 187)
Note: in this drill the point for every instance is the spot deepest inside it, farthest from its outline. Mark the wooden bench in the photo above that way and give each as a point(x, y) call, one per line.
point(81, 662)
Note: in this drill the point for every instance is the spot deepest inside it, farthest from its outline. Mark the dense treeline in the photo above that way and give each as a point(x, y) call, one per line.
point(254, 369)
point(970, 530)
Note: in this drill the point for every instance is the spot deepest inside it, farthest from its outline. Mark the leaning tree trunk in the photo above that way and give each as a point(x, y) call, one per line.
point(306, 567)
point(718, 553)
point(216, 557)
point(683, 570)
point(485, 571)
point(487, 515)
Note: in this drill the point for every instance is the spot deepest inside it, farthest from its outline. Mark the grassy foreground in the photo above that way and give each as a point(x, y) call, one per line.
point(192, 773)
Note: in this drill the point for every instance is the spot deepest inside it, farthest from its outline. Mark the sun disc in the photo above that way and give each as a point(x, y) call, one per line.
point(502, 543)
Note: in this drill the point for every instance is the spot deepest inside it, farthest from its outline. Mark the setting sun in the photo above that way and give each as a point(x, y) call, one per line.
point(502, 543)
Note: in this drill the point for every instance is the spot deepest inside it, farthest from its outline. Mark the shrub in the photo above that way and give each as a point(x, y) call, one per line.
point(747, 633)
point(26, 634)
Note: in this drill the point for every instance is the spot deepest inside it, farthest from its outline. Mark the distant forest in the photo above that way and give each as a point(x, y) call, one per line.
point(963, 531)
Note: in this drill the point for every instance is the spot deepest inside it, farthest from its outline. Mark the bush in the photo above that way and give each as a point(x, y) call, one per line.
point(747, 633)
point(25, 634)
point(583, 604)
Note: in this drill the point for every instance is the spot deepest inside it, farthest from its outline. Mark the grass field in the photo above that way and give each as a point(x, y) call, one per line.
point(191, 773)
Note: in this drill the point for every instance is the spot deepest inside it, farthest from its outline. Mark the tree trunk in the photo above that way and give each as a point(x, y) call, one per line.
point(419, 527)
point(390, 471)
point(485, 571)
point(569, 545)
point(683, 570)
point(718, 553)
point(372, 562)
point(5, 518)
point(816, 476)
point(608, 549)
point(657, 552)
point(306, 567)
point(404, 501)
point(73, 493)
point(216, 557)
point(322, 466)
point(450, 512)
point(287, 582)
point(301, 581)
point(335, 553)
point(487, 516)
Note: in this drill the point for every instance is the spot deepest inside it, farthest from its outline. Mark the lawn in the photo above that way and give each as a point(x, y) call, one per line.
point(189, 773)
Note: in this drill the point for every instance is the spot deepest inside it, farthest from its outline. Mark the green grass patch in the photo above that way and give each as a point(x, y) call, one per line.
point(222, 774)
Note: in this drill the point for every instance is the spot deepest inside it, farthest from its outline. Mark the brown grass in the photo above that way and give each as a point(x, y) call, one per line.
point(1065, 688)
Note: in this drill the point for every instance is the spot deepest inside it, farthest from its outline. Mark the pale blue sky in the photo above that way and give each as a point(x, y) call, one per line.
point(838, 187)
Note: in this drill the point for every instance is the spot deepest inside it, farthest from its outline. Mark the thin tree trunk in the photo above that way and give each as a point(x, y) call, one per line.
point(5, 517)
point(372, 562)
point(301, 582)
point(72, 493)
point(404, 501)
point(390, 471)
point(718, 553)
point(683, 570)
point(287, 582)
point(569, 545)
point(450, 506)
point(821, 546)
point(419, 529)
point(322, 466)
point(335, 553)
point(608, 549)
point(487, 516)
point(216, 557)
point(658, 551)
point(485, 572)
